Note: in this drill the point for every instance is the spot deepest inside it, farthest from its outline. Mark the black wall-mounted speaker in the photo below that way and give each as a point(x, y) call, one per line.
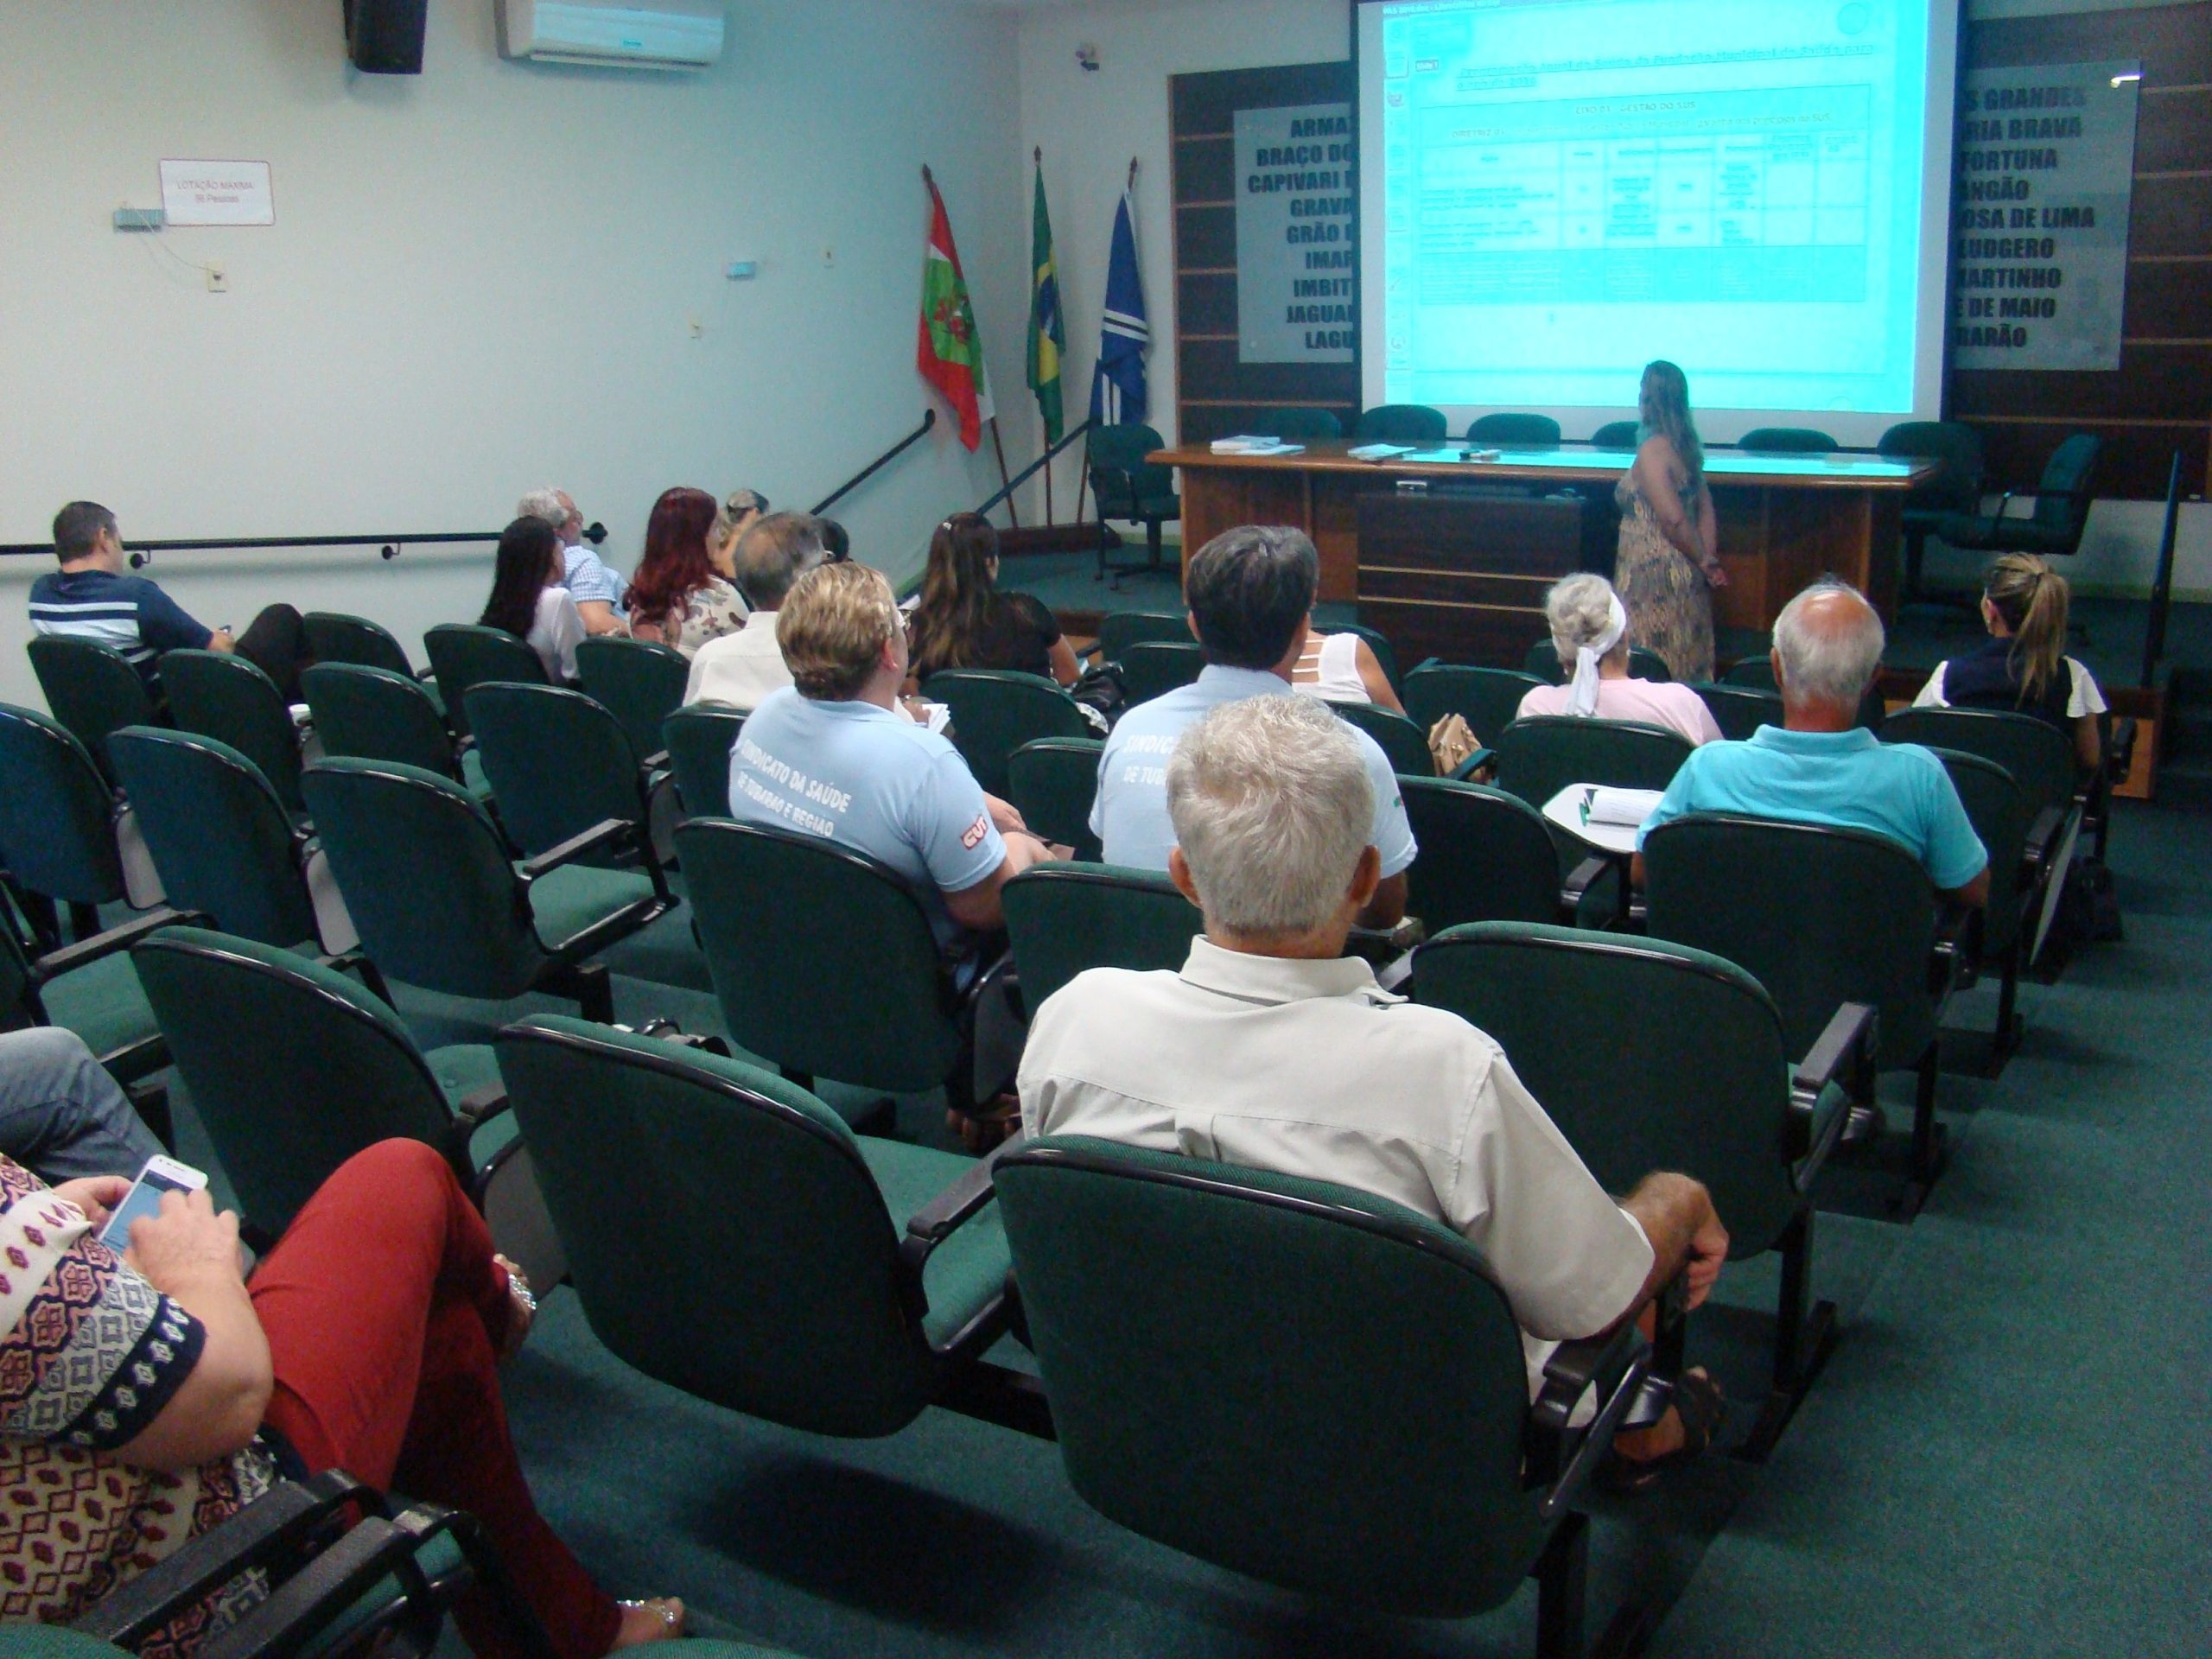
point(385, 37)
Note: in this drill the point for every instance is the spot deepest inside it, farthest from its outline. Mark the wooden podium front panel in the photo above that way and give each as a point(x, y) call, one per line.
point(1463, 577)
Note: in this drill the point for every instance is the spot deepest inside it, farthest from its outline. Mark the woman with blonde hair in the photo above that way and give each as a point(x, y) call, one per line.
point(2023, 668)
point(1669, 558)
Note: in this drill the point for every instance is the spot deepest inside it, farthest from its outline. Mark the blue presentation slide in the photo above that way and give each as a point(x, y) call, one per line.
point(1557, 191)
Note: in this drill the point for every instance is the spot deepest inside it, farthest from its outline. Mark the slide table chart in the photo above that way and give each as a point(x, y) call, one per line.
point(1785, 520)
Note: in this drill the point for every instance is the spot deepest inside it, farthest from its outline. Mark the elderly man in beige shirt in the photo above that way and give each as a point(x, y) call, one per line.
point(1272, 1049)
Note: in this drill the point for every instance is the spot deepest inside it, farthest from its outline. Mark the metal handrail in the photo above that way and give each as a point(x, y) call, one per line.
point(1033, 469)
point(2162, 584)
point(388, 546)
point(929, 420)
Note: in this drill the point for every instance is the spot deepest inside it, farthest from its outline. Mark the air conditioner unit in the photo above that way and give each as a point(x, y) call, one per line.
point(616, 34)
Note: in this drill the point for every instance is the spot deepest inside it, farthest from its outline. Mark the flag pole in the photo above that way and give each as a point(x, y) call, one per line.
point(1006, 479)
point(1045, 432)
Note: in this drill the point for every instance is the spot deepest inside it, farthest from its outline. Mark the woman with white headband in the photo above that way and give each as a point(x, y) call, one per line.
point(1590, 629)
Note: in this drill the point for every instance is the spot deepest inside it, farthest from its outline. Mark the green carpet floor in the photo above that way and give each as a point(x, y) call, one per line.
point(2003, 1457)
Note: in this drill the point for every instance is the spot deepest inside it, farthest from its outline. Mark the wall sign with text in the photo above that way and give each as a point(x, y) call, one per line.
point(1295, 254)
point(2046, 177)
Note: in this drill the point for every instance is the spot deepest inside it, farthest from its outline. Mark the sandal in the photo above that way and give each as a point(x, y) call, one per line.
point(522, 1310)
point(668, 1609)
point(984, 1128)
point(1703, 1408)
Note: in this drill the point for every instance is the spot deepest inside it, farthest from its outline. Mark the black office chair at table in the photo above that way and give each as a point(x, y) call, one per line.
point(1129, 488)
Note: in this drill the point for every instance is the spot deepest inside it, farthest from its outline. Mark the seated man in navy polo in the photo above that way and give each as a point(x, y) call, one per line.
point(1250, 593)
point(1821, 766)
point(91, 598)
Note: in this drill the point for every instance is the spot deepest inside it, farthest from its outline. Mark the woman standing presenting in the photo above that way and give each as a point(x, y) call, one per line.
point(1670, 559)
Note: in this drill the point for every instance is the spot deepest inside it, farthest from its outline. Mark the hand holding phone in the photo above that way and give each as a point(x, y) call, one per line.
point(160, 1175)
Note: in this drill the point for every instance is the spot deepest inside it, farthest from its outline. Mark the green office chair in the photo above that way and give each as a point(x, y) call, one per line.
point(1787, 440)
point(1051, 782)
point(1254, 1369)
point(560, 764)
point(294, 1068)
point(2063, 497)
point(1955, 489)
point(222, 696)
point(1486, 856)
point(1131, 488)
point(1414, 424)
point(1119, 630)
point(92, 689)
point(1739, 710)
point(779, 916)
point(994, 713)
point(639, 683)
point(336, 637)
point(854, 1280)
point(1617, 434)
point(1756, 672)
point(1539, 756)
point(1488, 699)
point(1510, 430)
point(2024, 846)
point(463, 654)
point(1299, 425)
point(1692, 1074)
point(699, 738)
point(1820, 916)
point(1542, 662)
point(374, 713)
point(224, 844)
point(58, 819)
point(427, 883)
point(1066, 918)
point(1402, 743)
point(91, 989)
point(1152, 668)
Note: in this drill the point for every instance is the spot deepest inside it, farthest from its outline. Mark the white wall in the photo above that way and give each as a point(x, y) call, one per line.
point(481, 279)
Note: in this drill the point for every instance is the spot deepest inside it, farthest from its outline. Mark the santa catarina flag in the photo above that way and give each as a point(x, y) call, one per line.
point(1048, 340)
point(948, 352)
point(1118, 393)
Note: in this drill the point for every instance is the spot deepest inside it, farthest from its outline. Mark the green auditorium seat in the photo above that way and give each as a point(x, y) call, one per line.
point(853, 1279)
point(1739, 710)
point(639, 683)
point(1542, 662)
point(92, 690)
point(1151, 668)
point(426, 881)
point(1051, 782)
point(294, 1068)
point(1691, 1074)
point(1539, 756)
point(560, 764)
point(1403, 742)
point(220, 694)
point(1820, 916)
point(698, 739)
point(1129, 488)
point(1486, 856)
point(463, 654)
point(1066, 918)
point(373, 714)
point(780, 915)
point(1119, 630)
point(90, 989)
point(995, 713)
point(1299, 425)
point(222, 841)
point(1756, 672)
point(59, 818)
point(1304, 1383)
point(1401, 423)
point(335, 637)
point(2024, 845)
point(1616, 435)
point(1510, 430)
point(1488, 699)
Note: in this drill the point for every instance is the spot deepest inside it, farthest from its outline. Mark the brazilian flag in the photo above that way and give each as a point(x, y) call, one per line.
point(1048, 340)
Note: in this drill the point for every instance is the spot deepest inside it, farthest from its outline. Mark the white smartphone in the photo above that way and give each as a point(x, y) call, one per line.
point(160, 1175)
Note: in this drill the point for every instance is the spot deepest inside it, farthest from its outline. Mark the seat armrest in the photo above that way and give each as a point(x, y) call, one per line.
point(2120, 748)
point(54, 963)
point(936, 1221)
point(1845, 1053)
point(480, 1106)
point(2043, 842)
point(606, 833)
point(328, 1588)
point(1958, 942)
point(1616, 1366)
point(1580, 879)
point(271, 1526)
point(1473, 764)
point(655, 761)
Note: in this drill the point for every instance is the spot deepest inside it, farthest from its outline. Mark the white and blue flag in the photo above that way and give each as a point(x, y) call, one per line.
point(1117, 391)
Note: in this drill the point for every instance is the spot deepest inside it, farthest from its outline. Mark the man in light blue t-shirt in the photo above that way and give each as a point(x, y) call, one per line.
point(1823, 766)
point(1250, 591)
point(834, 756)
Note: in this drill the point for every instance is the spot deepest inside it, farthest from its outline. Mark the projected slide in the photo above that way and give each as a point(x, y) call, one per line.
point(1556, 191)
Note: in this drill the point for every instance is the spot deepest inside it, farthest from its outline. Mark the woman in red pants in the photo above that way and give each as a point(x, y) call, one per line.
point(146, 1398)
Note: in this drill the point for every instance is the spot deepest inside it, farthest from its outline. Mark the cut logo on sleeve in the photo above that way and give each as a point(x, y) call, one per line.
point(973, 836)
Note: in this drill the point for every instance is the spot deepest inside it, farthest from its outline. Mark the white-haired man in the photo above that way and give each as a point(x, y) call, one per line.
point(596, 589)
point(1821, 766)
point(741, 669)
point(1272, 1049)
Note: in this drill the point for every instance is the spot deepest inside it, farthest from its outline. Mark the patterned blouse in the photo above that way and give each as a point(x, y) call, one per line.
point(704, 613)
point(91, 1354)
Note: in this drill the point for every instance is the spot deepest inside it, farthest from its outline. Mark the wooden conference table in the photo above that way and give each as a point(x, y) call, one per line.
point(1452, 557)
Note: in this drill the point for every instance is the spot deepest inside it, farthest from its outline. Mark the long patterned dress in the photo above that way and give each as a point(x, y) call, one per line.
point(1669, 601)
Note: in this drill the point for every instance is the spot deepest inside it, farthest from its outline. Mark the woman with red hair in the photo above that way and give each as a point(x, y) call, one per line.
point(681, 594)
